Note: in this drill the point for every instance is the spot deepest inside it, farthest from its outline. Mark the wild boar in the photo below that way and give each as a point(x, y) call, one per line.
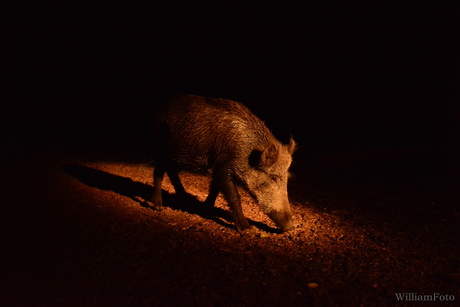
point(224, 136)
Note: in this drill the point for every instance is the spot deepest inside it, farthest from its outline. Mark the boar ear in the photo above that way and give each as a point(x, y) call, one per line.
point(292, 146)
point(264, 158)
point(269, 155)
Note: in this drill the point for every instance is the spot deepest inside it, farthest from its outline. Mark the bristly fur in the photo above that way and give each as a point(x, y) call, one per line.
point(213, 133)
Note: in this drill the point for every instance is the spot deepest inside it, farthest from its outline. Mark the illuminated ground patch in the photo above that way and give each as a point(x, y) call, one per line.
point(84, 232)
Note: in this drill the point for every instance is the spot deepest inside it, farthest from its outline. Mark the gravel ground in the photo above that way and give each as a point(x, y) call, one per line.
point(79, 231)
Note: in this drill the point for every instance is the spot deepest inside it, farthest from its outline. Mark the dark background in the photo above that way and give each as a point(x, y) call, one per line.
point(369, 91)
point(336, 75)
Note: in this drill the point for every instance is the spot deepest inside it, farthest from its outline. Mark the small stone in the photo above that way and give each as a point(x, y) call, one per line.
point(312, 285)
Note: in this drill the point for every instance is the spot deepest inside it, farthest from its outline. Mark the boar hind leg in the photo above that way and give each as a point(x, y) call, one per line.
point(230, 192)
point(213, 193)
point(173, 175)
point(158, 175)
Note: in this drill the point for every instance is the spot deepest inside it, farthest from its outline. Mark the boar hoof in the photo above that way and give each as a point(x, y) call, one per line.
point(158, 208)
point(209, 204)
point(288, 227)
point(247, 232)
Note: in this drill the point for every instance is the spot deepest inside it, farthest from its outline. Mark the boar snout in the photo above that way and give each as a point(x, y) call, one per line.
point(282, 219)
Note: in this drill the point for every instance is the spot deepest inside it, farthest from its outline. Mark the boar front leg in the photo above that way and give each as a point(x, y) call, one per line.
point(230, 192)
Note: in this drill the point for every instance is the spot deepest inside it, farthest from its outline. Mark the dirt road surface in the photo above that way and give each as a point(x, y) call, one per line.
point(78, 230)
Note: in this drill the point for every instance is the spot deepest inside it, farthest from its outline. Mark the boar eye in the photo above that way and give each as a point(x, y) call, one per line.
point(271, 179)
